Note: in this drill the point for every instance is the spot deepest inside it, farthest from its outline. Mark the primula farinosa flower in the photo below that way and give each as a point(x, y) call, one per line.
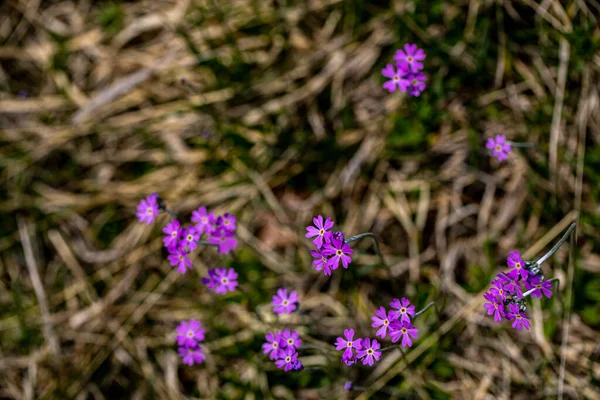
point(499, 146)
point(226, 280)
point(180, 259)
point(172, 234)
point(348, 345)
point(297, 365)
point(498, 289)
point(273, 345)
point(403, 309)
point(338, 251)
point(403, 330)
point(519, 318)
point(369, 351)
point(510, 285)
point(338, 236)
point(320, 262)
point(211, 281)
point(320, 231)
point(383, 320)
point(189, 333)
point(191, 355)
point(291, 338)
point(494, 306)
point(284, 304)
point(189, 238)
point(417, 83)
point(225, 239)
point(518, 266)
point(287, 359)
point(544, 287)
point(205, 221)
point(398, 79)
point(349, 360)
point(348, 385)
point(227, 221)
point(147, 210)
point(410, 58)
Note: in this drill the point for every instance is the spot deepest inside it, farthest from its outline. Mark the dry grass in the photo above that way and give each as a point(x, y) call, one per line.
point(274, 112)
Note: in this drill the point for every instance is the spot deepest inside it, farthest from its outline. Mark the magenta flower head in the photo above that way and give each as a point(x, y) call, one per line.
point(510, 285)
point(319, 230)
point(147, 210)
point(205, 222)
point(191, 355)
point(172, 234)
point(383, 320)
point(189, 333)
point(224, 239)
point(287, 359)
point(227, 221)
point(417, 83)
point(403, 330)
point(348, 385)
point(403, 309)
point(226, 280)
point(211, 280)
point(282, 304)
point(274, 343)
point(398, 79)
point(499, 146)
point(521, 320)
point(410, 58)
point(498, 289)
point(369, 351)
point(338, 251)
point(189, 238)
point(544, 287)
point(320, 262)
point(494, 306)
point(291, 338)
point(297, 365)
point(180, 259)
point(348, 345)
point(518, 266)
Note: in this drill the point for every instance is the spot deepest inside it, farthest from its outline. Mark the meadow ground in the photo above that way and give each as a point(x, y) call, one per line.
point(274, 111)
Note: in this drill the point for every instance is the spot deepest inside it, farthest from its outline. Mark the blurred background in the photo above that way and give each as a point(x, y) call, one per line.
point(274, 111)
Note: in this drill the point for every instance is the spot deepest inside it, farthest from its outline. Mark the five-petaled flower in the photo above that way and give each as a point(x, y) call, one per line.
point(274, 344)
point(287, 359)
point(499, 146)
point(205, 221)
point(291, 338)
point(544, 287)
point(320, 262)
point(519, 318)
point(417, 83)
point(369, 351)
point(383, 320)
point(189, 333)
point(180, 259)
point(518, 266)
point(410, 58)
point(494, 306)
point(284, 304)
point(348, 345)
point(191, 355)
point(338, 251)
point(147, 210)
point(224, 239)
point(172, 234)
point(403, 309)
point(225, 279)
point(398, 79)
point(403, 330)
point(320, 230)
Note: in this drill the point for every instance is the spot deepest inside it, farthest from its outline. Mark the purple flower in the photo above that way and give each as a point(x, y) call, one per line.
point(205, 222)
point(348, 385)
point(287, 359)
point(190, 333)
point(273, 345)
point(349, 360)
point(403, 330)
point(320, 262)
point(191, 355)
point(521, 320)
point(540, 287)
point(225, 239)
point(510, 285)
point(404, 309)
point(211, 281)
point(348, 345)
point(338, 236)
point(297, 365)
point(417, 83)
point(369, 351)
point(409, 58)
point(499, 146)
point(180, 259)
point(226, 280)
point(172, 234)
point(227, 221)
point(398, 79)
point(190, 237)
point(494, 306)
point(383, 320)
point(319, 230)
point(338, 250)
point(148, 209)
point(291, 338)
point(282, 304)
point(498, 290)
point(516, 262)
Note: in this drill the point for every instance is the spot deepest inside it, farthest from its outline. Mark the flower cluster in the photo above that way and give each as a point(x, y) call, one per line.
point(282, 347)
point(189, 335)
point(499, 147)
point(221, 280)
point(406, 77)
point(396, 322)
point(506, 300)
point(284, 304)
point(331, 247)
point(367, 350)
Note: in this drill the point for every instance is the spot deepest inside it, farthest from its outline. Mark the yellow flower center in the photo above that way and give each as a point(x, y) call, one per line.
point(349, 344)
point(224, 280)
point(370, 351)
point(339, 253)
point(409, 58)
point(404, 330)
point(285, 302)
point(290, 341)
point(149, 211)
point(288, 359)
point(385, 322)
point(403, 310)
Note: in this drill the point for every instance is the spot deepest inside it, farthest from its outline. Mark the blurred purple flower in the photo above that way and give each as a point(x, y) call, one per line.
point(191, 355)
point(190, 237)
point(337, 250)
point(417, 83)
point(320, 262)
point(211, 281)
point(287, 359)
point(499, 146)
point(403, 309)
point(284, 304)
point(369, 351)
point(273, 345)
point(147, 210)
point(348, 345)
point(319, 230)
point(409, 58)
point(348, 385)
point(383, 320)
point(205, 222)
point(291, 338)
point(398, 79)
point(180, 259)
point(227, 221)
point(226, 280)
point(403, 330)
point(521, 320)
point(225, 239)
point(189, 333)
